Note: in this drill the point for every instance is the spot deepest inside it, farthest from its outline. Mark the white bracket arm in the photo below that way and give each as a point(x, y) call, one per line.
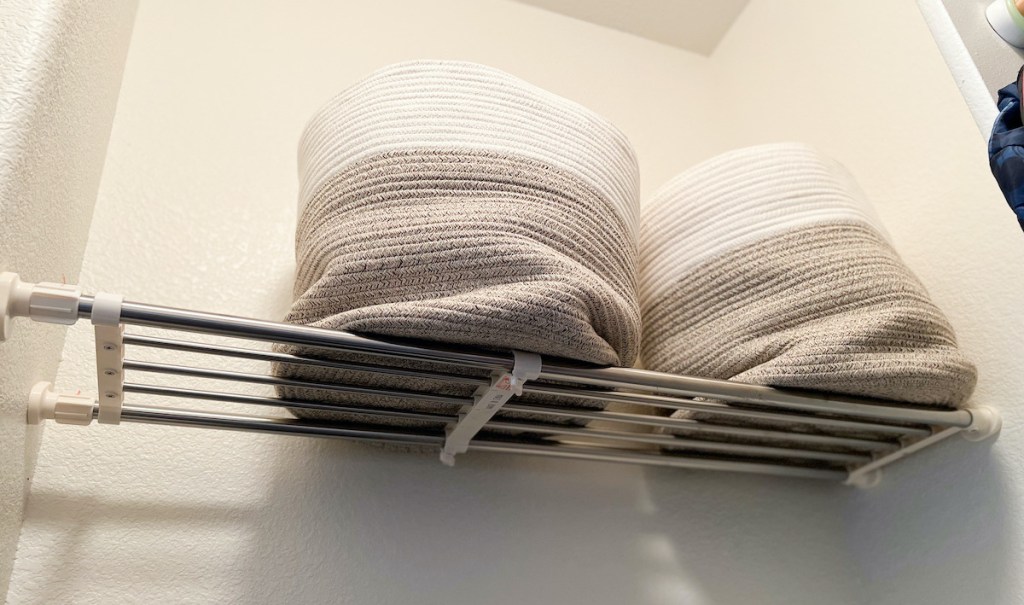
point(487, 400)
point(985, 422)
point(106, 317)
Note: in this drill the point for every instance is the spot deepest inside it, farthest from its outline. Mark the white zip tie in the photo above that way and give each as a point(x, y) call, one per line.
point(106, 317)
point(487, 400)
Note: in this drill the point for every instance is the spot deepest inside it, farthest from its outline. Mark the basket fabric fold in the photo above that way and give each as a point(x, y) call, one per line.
point(768, 266)
point(454, 203)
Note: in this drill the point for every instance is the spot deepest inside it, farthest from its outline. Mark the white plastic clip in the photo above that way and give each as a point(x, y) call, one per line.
point(44, 404)
point(487, 400)
point(106, 317)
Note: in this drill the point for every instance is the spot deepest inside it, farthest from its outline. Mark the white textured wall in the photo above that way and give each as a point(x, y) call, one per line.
point(200, 180)
point(868, 86)
point(60, 69)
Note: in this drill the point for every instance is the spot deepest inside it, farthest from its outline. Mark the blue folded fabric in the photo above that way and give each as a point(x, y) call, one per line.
point(1006, 147)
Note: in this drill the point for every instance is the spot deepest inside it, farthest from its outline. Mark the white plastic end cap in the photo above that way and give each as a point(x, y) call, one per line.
point(44, 404)
point(985, 422)
point(865, 480)
point(46, 302)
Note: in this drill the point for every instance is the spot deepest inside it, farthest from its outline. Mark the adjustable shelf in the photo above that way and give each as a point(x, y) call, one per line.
point(735, 426)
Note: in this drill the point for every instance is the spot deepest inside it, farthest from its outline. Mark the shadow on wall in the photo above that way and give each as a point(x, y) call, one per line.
point(938, 529)
point(362, 523)
point(140, 561)
point(755, 539)
point(344, 522)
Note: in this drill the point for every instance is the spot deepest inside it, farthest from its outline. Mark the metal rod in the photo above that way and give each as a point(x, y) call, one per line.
point(689, 386)
point(527, 408)
point(163, 416)
point(695, 426)
point(269, 331)
point(673, 460)
point(721, 409)
point(168, 416)
point(147, 389)
point(274, 356)
point(657, 382)
point(658, 401)
point(166, 368)
point(670, 441)
point(576, 431)
point(676, 424)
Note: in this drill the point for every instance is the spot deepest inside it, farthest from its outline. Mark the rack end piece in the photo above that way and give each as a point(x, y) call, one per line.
point(865, 480)
point(45, 404)
point(46, 302)
point(985, 422)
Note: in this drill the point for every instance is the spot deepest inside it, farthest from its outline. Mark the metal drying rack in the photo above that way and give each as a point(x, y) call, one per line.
point(808, 435)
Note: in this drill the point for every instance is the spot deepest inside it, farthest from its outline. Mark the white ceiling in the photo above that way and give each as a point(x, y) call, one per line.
point(695, 25)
